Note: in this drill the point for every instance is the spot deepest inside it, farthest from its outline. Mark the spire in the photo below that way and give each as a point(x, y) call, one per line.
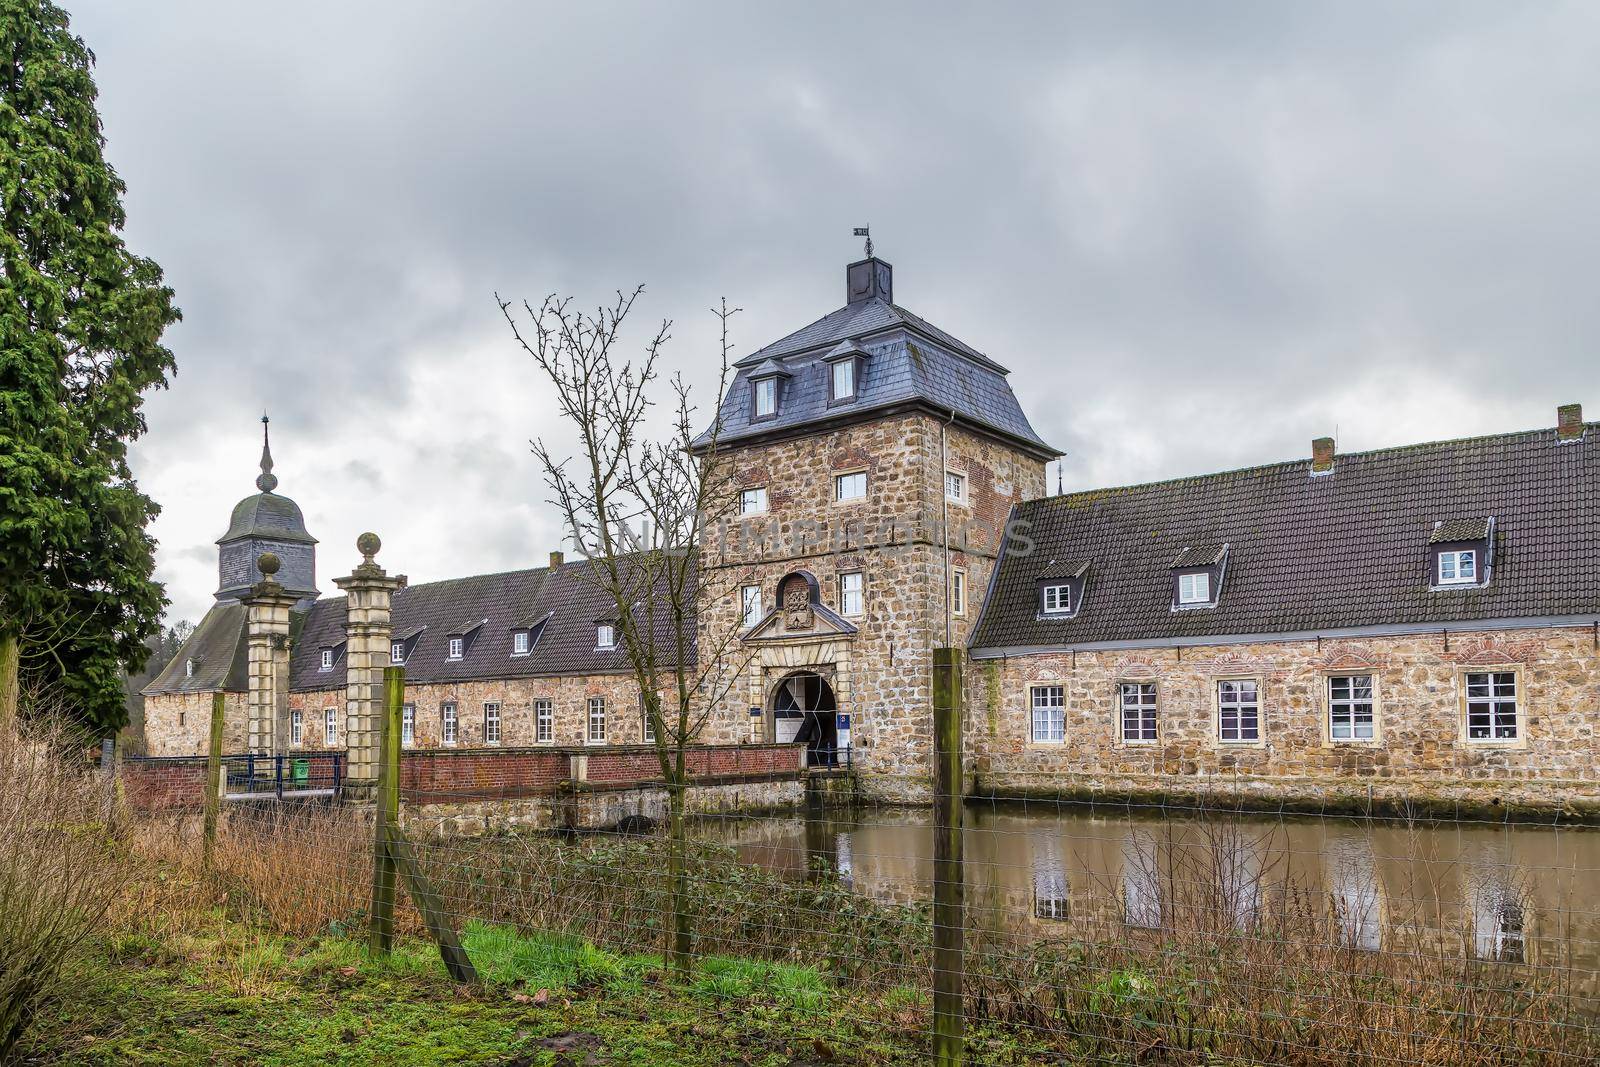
point(266, 481)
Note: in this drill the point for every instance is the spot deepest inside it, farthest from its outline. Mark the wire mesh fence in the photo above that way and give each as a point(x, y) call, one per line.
point(1110, 933)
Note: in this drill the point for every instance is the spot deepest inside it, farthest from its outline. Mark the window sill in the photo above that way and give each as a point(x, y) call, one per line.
point(521, 655)
point(1153, 743)
point(595, 744)
point(1047, 744)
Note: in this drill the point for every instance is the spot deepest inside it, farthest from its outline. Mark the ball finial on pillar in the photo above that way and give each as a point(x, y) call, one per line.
point(368, 544)
point(268, 563)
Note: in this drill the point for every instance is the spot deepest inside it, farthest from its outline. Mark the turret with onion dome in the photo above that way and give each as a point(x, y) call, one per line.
point(267, 522)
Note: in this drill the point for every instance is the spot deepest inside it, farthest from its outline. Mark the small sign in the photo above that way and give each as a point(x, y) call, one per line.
point(755, 709)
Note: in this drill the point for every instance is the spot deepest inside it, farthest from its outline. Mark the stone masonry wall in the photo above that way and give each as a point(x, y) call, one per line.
point(179, 724)
point(895, 538)
point(1420, 755)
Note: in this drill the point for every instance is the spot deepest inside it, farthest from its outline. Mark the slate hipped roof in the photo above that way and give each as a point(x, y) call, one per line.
point(1308, 554)
point(909, 363)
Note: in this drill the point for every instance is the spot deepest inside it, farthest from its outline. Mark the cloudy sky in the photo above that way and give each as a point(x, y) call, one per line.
point(1199, 235)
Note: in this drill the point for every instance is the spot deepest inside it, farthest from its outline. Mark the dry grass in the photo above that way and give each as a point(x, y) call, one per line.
point(61, 869)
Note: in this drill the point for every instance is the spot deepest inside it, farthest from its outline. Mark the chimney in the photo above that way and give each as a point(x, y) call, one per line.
point(1569, 422)
point(869, 279)
point(1322, 456)
point(557, 559)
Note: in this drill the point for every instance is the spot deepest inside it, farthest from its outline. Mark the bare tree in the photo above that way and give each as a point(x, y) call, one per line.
point(635, 506)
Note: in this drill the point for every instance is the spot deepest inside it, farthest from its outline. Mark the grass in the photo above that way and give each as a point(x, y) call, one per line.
point(233, 993)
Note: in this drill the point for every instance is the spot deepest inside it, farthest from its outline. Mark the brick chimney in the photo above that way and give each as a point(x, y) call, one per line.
point(557, 559)
point(1569, 422)
point(1322, 456)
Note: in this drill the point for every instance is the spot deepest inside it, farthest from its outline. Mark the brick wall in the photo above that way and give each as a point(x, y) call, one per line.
point(150, 785)
point(440, 777)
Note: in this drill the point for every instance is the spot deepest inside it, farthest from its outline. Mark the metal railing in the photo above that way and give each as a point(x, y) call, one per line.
point(292, 774)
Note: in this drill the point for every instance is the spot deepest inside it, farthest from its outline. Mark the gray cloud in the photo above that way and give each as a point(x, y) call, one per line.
point(1198, 234)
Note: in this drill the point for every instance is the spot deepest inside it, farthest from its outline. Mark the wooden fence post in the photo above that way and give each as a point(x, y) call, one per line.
point(219, 707)
point(949, 912)
point(388, 810)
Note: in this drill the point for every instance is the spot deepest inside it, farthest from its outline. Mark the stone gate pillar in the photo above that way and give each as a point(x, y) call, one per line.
point(267, 607)
point(369, 595)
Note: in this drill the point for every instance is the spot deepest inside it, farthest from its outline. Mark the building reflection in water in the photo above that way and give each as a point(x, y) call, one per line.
point(1353, 887)
point(1141, 881)
point(1050, 890)
point(1498, 912)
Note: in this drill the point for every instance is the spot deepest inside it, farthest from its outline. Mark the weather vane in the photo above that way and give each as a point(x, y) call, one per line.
point(864, 231)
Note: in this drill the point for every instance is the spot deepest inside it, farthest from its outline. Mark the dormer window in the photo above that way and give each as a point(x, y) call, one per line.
point(605, 636)
point(1461, 553)
point(766, 398)
point(844, 371)
point(188, 668)
point(456, 648)
point(1197, 575)
point(1194, 588)
point(1061, 586)
point(844, 380)
point(327, 660)
point(519, 643)
point(397, 651)
point(1458, 567)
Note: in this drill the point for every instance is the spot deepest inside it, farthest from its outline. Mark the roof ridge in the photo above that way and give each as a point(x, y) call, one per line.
point(1276, 465)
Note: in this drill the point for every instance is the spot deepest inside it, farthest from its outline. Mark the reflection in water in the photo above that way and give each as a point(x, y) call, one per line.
point(1141, 881)
point(1353, 886)
point(1050, 895)
point(1500, 893)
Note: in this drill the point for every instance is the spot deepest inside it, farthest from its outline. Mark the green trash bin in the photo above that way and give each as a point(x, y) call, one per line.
point(300, 771)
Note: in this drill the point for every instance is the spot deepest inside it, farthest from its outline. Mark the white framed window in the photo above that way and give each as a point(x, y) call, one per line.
point(544, 721)
point(456, 647)
point(449, 723)
point(491, 722)
point(1350, 708)
point(1057, 599)
point(1049, 714)
point(750, 601)
point(955, 486)
point(766, 397)
point(330, 726)
point(1459, 567)
point(753, 501)
point(297, 727)
point(188, 668)
point(958, 592)
point(1238, 712)
point(605, 636)
point(1195, 588)
point(408, 723)
point(850, 486)
point(596, 734)
point(844, 379)
point(1138, 701)
point(397, 651)
point(519, 643)
point(1492, 711)
point(327, 659)
point(648, 731)
point(852, 593)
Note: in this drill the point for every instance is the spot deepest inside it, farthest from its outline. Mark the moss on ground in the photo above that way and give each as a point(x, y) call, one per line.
point(232, 994)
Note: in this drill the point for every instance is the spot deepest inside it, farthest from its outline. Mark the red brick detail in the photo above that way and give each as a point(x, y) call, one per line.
point(438, 776)
point(640, 764)
point(164, 784)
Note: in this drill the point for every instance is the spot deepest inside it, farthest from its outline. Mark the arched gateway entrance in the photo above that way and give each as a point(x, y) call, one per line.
point(804, 709)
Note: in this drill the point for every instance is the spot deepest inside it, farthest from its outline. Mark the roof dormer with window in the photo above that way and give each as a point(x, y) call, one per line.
point(1461, 554)
point(459, 641)
point(1197, 576)
point(766, 390)
point(1061, 587)
point(843, 364)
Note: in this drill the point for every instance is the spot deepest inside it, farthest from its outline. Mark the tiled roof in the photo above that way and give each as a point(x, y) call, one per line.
point(499, 603)
point(1459, 530)
point(1316, 553)
point(1199, 555)
point(1063, 568)
point(217, 648)
point(902, 367)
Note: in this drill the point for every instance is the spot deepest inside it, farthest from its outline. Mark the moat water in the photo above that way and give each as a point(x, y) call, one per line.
point(1502, 893)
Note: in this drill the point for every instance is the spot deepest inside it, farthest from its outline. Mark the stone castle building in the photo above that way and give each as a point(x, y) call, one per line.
point(1413, 623)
